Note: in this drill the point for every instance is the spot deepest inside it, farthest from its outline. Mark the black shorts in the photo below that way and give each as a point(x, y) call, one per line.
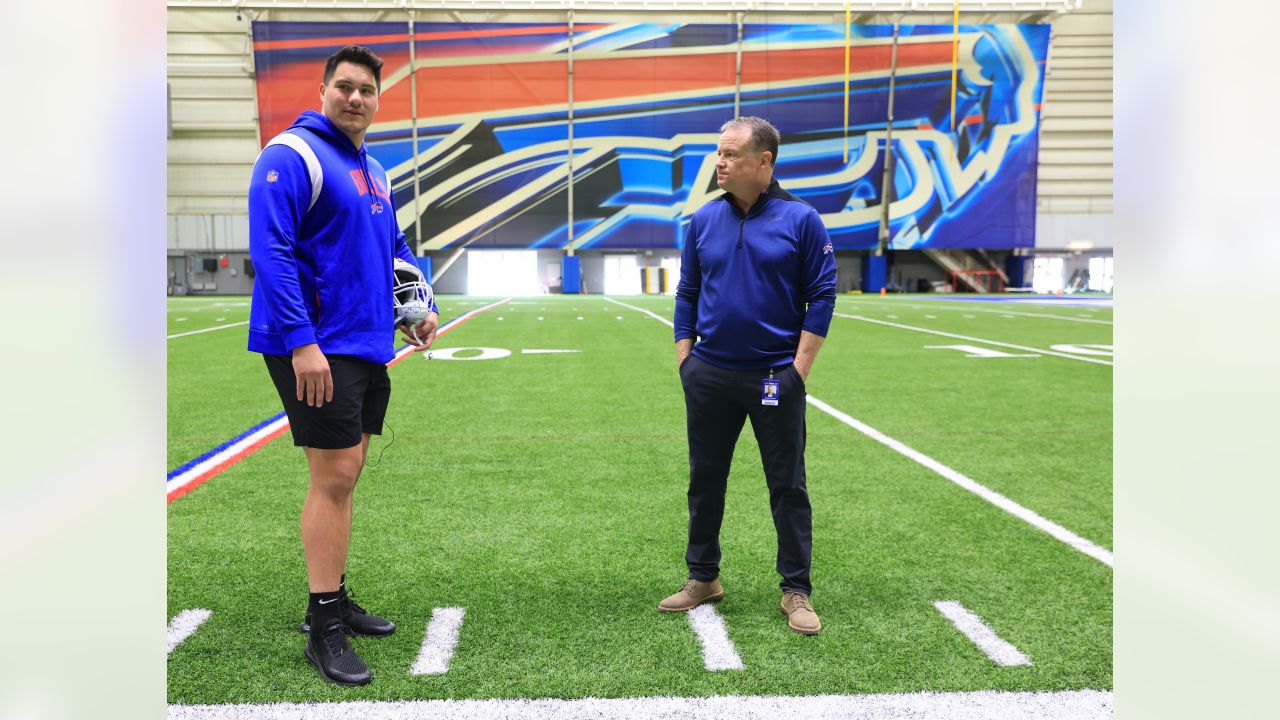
point(361, 391)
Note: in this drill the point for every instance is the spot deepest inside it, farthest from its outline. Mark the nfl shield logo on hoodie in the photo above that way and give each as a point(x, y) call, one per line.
point(272, 176)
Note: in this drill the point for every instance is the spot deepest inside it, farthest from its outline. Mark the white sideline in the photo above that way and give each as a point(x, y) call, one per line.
point(1055, 353)
point(184, 624)
point(205, 330)
point(983, 705)
point(968, 308)
point(718, 652)
point(439, 642)
point(998, 649)
point(653, 315)
point(1093, 550)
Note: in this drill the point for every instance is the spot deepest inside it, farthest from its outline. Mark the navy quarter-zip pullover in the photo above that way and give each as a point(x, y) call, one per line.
point(750, 283)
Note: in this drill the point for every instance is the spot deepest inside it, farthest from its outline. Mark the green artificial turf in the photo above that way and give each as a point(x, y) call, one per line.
point(545, 493)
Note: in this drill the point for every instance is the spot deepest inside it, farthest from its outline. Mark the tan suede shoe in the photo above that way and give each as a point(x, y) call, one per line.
point(800, 615)
point(693, 594)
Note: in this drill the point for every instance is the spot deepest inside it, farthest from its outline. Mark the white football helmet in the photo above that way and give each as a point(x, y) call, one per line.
point(411, 293)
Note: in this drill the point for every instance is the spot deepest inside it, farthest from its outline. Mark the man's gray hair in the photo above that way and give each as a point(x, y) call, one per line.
point(764, 136)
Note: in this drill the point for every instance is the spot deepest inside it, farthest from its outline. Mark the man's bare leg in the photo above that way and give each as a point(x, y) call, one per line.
point(326, 513)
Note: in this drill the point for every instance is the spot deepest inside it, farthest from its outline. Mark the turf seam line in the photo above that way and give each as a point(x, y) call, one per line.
point(1001, 651)
point(205, 330)
point(1087, 547)
point(974, 339)
point(439, 641)
point(1091, 549)
point(980, 705)
point(196, 472)
point(184, 624)
point(718, 652)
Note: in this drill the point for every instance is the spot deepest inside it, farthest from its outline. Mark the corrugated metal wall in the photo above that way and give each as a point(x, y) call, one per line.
point(214, 136)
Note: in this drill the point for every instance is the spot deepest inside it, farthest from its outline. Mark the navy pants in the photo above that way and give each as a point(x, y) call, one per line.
point(717, 404)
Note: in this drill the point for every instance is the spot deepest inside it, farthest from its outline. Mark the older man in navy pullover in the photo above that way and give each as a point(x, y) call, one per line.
point(756, 293)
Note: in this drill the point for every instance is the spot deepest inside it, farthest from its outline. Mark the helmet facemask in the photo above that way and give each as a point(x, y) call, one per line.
point(411, 294)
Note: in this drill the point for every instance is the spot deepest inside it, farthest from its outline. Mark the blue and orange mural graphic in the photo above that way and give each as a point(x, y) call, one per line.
point(648, 100)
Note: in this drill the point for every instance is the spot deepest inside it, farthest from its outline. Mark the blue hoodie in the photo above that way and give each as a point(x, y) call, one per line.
point(750, 283)
point(322, 245)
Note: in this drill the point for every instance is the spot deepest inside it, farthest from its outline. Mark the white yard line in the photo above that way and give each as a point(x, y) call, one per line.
point(1091, 549)
point(439, 642)
point(983, 705)
point(718, 652)
point(184, 624)
point(935, 306)
point(1069, 356)
point(208, 329)
point(998, 649)
point(1057, 531)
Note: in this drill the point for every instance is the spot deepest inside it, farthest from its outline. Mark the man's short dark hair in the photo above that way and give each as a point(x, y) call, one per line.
point(358, 55)
point(764, 136)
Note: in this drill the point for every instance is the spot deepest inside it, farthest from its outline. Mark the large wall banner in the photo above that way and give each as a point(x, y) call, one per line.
point(648, 102)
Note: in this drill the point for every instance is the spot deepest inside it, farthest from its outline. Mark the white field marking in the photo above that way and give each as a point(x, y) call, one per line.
point(184, 624)
point(1106, 350)
point(499, 317)
point(718, 652)
point(1006, 315)
point(981, 705)
point(180, 320)
point(971, 316)
point(979, 340)
point(998, 649)
point(219, 319)
point(931, 317)
point(938, 305)
point(438, 643)
point(619, 317)
point(205, 330)
point(893, 317)
point(655, 316)
point(580, 317)
point(979, 352)
point(486, 353)
point(532, 351)
point(539, 317)
point(1091, 549)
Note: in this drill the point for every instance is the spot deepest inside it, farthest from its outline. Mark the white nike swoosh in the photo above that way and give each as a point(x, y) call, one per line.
point(326, 602)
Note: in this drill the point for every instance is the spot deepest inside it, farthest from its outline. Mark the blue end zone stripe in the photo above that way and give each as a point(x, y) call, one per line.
point(192, 463)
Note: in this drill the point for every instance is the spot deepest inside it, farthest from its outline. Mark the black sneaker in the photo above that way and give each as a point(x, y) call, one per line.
point(333, 656)
point(356, 620)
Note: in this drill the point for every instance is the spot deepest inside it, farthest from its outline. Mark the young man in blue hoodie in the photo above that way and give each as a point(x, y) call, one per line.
point(757, 289)
point(323, 236)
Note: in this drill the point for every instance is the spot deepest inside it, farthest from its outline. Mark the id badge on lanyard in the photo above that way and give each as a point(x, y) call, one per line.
point(769, 391)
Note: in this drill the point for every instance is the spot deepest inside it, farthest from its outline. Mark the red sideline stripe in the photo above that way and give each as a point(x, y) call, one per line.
point(258, 444)
point(217, 469)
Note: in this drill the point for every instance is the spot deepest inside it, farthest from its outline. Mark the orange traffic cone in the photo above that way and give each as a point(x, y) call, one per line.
point(882, 293)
